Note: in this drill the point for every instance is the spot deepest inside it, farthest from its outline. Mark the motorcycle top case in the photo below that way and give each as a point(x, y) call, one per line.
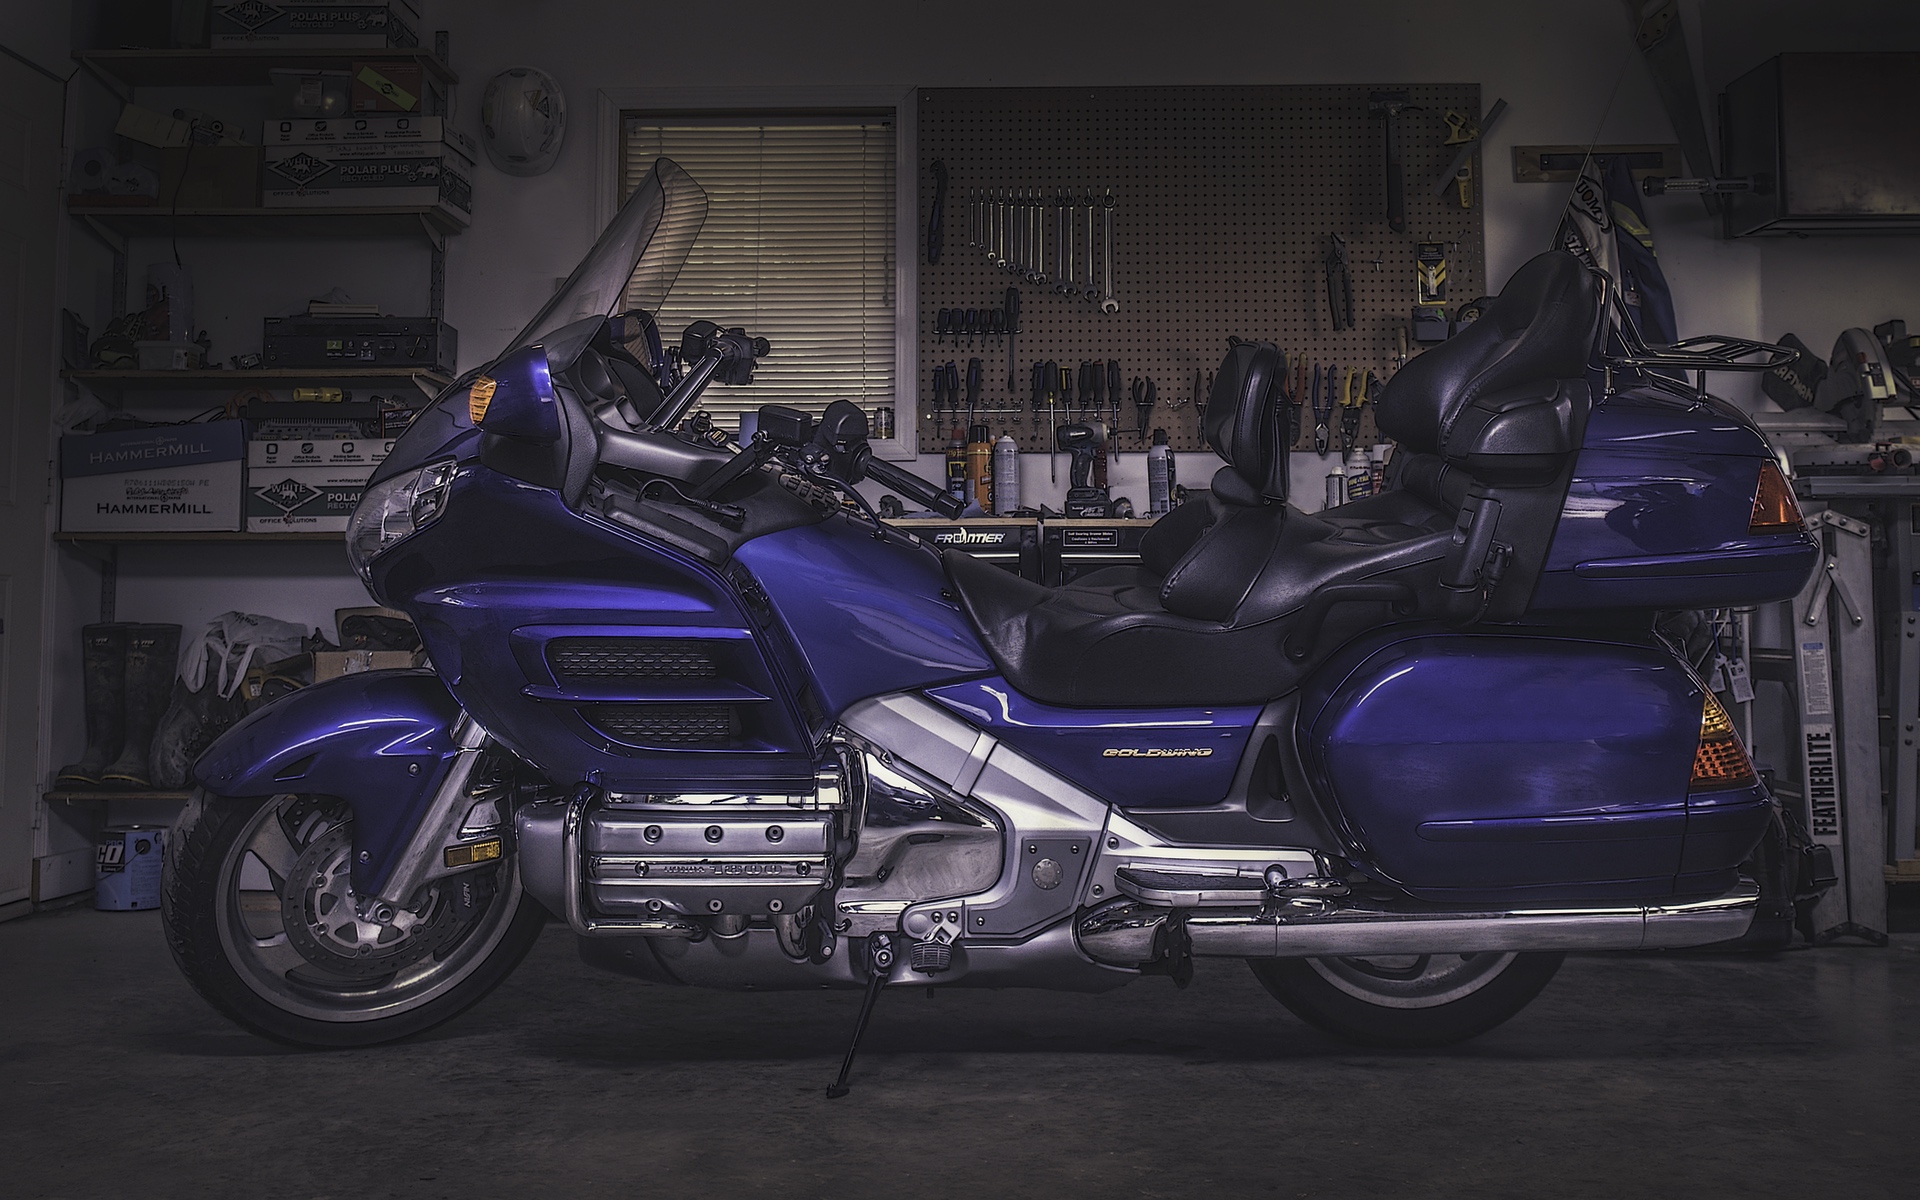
point(1658, 512)
point(1518, 766)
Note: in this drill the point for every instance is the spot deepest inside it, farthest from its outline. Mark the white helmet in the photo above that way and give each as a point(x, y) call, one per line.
point(524, 118)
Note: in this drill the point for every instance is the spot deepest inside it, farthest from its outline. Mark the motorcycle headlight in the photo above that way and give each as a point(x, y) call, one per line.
point(394, 509)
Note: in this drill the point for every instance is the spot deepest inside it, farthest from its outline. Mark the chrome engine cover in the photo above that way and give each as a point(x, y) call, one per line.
point(708, 855)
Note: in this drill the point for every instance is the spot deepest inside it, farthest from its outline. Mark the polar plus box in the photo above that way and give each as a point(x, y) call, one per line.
point(308, 486)
point(299, 25)
point(177, 478)
point(398, 173)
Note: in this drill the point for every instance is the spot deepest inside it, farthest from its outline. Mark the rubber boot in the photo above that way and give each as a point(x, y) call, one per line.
point(103, 678)
point(152, 654)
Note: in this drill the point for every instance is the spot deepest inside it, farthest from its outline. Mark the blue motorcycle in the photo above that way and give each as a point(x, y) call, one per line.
point(698, 700)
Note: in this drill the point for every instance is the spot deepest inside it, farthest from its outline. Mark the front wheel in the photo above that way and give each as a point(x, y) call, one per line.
point(259, 915)
point(1408, 1001)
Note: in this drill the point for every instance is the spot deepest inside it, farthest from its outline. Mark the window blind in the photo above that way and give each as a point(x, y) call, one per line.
point(798, 247)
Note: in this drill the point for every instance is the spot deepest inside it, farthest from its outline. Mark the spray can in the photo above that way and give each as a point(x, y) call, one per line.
point(1006, 476)
point(1359, 475)
point(980, 467)
point(957, 467)
point(1159, 475)
point(1336, 486)
point(1380, 455)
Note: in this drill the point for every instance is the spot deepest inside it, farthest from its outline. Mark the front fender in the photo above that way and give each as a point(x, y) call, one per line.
point(380, 740)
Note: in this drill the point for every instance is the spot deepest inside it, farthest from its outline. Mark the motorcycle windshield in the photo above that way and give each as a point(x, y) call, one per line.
point(637, 258)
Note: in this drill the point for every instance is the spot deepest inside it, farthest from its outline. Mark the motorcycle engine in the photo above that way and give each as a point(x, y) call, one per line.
point(718, 856)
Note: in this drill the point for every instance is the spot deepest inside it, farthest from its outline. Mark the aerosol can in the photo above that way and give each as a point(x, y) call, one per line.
point(1159, 475)
point(1006, 476)
point(980, 467)
point(957, 467)
point(1336, 485)
point(1359, 475)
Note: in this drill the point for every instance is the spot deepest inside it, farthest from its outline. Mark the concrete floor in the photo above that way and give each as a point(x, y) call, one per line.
point(1702, 1076)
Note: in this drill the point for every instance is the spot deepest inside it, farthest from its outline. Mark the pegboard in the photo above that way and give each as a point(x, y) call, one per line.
point(1224, 197)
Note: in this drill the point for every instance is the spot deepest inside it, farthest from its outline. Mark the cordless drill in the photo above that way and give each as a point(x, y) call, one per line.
point(1082, 442)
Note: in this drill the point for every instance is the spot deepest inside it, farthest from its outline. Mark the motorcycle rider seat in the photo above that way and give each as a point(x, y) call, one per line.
point(1238, 593)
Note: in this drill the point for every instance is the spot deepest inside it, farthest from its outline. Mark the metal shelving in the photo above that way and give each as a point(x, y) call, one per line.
point(126, 69)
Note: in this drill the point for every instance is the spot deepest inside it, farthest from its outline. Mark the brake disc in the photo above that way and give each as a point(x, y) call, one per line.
point(346, 935)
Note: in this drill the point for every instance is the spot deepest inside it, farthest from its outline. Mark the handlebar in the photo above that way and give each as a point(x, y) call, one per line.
point(914, 488)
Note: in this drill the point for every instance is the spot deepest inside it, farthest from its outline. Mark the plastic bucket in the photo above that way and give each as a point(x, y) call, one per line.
point(127, 868)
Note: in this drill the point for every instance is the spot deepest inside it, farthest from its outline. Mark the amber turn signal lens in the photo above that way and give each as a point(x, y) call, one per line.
point(1719, 760)
point(481, 394)
point(1774, 508)
point(473, 852)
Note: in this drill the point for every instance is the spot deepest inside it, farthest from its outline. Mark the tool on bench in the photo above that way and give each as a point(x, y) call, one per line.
point(1052, 377)
point(1388, 106)
point(1339, 283)
point(1012, 307)
point(935, 221)
point(1084, 498)
point(1462, 132)
point(1322, 410)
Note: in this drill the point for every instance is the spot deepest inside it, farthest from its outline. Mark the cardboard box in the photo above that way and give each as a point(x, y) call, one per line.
point(175, 477)
point(400, 174)
point(308, 486)
point(388, 87)
point(366, 129)
point(332, 664)
point(301, 25)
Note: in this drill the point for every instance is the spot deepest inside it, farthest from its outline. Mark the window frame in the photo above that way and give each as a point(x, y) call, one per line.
point(614, 104)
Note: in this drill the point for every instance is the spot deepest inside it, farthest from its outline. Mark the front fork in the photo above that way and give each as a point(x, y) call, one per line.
point(443, 842)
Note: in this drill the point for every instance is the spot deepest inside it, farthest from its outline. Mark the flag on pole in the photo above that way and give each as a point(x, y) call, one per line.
point(1605, 226)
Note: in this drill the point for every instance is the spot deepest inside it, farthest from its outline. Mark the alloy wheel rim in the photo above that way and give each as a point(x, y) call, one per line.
point(296, 845)
point(1412, 980)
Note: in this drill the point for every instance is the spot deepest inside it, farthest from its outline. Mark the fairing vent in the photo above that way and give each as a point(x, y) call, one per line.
point(714, 726)
point(584, 658)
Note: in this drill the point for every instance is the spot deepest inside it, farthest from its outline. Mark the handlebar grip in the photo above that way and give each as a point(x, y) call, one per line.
point(761, 347)
point(914, 488)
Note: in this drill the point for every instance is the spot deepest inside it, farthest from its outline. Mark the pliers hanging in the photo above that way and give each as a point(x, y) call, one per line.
point(1356, 390)
point(1322, 409)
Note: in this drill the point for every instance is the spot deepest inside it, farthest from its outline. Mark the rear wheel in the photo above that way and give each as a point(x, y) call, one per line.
point(259, 916)
point(1407, 1001)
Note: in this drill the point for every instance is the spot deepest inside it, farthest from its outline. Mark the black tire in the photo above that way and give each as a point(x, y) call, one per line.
point(201, 907)
point(1378, 1002)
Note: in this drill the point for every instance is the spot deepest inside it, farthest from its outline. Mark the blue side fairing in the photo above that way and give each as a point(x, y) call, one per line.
point(1130, 757)
point(868, 616)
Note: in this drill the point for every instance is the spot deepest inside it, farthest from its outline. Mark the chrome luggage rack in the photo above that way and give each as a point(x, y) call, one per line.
point(1709, 352)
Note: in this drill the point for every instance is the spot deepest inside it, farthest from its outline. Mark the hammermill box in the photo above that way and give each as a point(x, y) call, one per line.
point(308, 486)
point(172, 478)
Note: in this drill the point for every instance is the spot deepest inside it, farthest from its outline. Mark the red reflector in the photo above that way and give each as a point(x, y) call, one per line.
point(1774, 508)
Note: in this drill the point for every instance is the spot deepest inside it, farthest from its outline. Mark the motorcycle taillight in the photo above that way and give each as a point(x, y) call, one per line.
point(1774, 508)
point(1719, 760)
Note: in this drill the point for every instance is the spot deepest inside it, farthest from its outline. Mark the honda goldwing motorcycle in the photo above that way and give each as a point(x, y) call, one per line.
point(697, 700)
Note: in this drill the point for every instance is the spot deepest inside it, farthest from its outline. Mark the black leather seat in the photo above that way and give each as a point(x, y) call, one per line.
point(1239, 594)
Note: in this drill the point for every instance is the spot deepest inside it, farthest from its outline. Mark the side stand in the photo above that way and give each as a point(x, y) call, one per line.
point(879, 962)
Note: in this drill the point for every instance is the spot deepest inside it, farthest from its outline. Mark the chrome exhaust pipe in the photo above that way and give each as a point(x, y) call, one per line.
point(1127, 932)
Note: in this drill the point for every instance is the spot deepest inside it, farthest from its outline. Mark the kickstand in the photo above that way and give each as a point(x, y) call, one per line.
point(879, 960)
